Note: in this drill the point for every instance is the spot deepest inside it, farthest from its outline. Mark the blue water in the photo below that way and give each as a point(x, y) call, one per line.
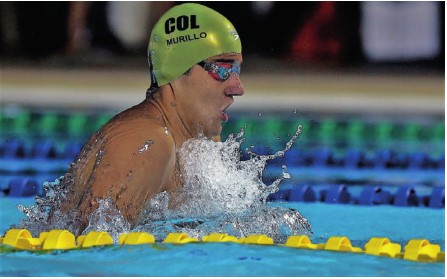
point(358, 223)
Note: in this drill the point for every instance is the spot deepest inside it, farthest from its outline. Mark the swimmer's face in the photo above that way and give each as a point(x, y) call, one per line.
point(210, 91)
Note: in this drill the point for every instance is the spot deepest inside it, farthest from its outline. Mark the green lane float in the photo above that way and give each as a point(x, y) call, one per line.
point(418, 250)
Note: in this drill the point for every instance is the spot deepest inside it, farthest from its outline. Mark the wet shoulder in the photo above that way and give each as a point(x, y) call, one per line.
point(137, 133)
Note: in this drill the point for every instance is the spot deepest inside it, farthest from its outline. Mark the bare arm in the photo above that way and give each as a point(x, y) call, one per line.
point(137, 163)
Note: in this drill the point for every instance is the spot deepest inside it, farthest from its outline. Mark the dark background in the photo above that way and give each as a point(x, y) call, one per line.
point(303, 35)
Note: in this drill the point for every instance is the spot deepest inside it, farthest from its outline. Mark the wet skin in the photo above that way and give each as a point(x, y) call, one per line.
point(133, 157)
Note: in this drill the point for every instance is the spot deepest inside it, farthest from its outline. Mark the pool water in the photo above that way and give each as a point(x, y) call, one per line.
point(358, 223)
point(390, 157)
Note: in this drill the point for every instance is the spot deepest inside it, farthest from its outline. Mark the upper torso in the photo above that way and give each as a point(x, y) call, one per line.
point(130, 159)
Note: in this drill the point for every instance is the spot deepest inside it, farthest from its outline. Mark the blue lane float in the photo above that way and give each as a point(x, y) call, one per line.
point(22, 187)
point(72, 150)
point(45, 150)
point(406, 196)
point(319, 157)
point(302, 193)
point(336, 194)
point(374, 195)
point(371, 195)
point(353, 158)
point(437, 198)
point(14, 148)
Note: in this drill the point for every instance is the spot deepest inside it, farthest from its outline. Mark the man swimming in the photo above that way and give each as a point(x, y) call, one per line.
point(194, 57)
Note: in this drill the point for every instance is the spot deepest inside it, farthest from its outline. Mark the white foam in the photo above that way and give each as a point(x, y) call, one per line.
point(221, 193)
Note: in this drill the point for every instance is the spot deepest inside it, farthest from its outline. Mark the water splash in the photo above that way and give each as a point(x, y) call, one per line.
point(107, 218)
point(45, 214)
point(221, 193)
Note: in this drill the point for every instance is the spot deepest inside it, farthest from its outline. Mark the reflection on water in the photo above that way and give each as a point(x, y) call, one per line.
point(221, 193)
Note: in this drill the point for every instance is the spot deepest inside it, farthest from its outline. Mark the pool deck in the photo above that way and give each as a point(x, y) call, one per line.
point(323, 91)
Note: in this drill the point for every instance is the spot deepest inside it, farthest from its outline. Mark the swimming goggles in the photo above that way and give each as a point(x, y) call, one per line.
point(221, 71)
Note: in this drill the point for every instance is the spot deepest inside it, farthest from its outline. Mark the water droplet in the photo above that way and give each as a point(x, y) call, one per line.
point(166, 131)
point(99, 156)
point(259, 114)
point(129, 175)
point(145, 147)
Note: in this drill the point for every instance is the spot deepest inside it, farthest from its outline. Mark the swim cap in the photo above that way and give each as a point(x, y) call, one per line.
point(185, 35)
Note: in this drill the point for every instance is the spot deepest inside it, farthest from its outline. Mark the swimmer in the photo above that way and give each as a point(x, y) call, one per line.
point(194, 57)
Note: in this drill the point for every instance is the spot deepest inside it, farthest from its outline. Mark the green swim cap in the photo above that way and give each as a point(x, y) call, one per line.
point(185, 35)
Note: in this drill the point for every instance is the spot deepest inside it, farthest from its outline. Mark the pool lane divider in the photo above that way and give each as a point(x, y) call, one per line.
point(331, 194)
point(371, 195)
point(27, 120)
point(419, 250)
point(17, 150)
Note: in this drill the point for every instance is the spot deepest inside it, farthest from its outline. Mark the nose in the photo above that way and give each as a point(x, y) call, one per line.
point(235, 87)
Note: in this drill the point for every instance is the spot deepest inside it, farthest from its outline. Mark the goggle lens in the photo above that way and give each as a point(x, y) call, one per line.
point(221, 71)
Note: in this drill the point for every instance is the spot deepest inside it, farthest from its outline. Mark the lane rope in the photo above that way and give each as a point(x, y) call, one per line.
point(419, 250)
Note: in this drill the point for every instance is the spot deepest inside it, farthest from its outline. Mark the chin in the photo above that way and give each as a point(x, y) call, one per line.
point(214, 131)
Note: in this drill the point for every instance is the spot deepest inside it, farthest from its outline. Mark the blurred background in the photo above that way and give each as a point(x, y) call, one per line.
point(307, 47)
point(365, 79)
point(305, 34)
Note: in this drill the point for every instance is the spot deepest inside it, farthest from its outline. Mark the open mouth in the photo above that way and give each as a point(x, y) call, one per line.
point(224, 116)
